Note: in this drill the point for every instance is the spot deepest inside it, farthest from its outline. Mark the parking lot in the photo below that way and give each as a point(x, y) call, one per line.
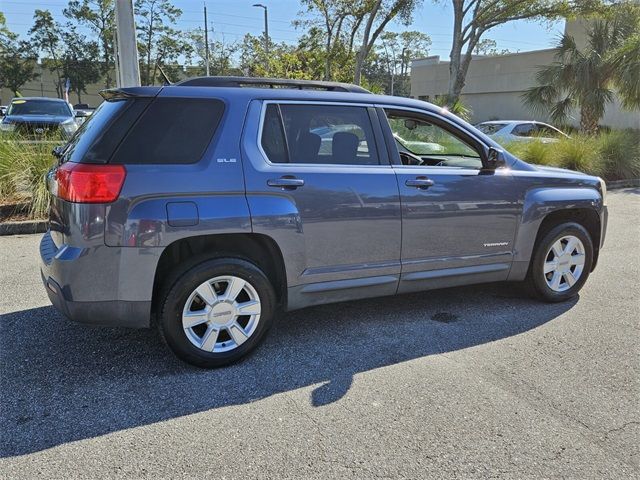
point(471, 382)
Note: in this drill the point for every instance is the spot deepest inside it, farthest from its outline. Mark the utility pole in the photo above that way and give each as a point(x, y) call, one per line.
point(266, 35)
point(206, 40)
point(127, 65)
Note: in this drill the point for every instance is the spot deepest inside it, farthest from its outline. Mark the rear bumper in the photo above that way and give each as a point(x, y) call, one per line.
point(64, 272)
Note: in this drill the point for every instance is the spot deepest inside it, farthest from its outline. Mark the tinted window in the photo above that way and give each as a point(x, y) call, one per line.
point(99, 135)
point(321, 134)
point(171, 130)
point(273, 141)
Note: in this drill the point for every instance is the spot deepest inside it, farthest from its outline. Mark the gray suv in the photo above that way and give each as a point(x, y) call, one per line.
point(207, 206)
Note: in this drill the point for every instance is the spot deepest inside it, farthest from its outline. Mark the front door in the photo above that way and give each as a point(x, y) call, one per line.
point(458, 220)
point(320, 166)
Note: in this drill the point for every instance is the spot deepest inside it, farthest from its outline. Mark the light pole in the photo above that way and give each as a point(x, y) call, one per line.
point(266, 35)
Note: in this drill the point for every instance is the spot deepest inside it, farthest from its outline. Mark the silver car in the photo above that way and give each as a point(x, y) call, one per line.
point(506, 131)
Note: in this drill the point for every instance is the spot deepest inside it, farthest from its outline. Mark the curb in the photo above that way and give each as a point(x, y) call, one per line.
point(615, 184)
point(23, 228)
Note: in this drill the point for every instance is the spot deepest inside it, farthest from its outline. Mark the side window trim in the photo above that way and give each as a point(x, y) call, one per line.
point(440, 122)
point(367, 106)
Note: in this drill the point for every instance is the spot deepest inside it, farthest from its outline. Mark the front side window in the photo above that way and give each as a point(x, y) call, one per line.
point(318, 134)
point(421, 142)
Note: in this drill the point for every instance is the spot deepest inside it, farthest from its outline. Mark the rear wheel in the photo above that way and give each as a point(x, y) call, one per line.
point(561, 263)
point(217, 311)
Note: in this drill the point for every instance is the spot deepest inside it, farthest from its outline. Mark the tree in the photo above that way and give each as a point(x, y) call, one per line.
point(79, 61)
point(376, 15)
point(395, 51)
point(98, 15)
point(221, 54)
point(488, 47)
point(586, 78)
point(337, 22)
point(473, 18)
point(17, 60)
point(45, 36)
point(158, 42)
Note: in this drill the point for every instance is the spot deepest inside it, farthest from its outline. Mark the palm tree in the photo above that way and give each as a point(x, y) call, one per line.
point(586, 78)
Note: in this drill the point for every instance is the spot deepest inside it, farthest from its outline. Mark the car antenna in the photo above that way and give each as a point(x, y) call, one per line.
point(164, 75)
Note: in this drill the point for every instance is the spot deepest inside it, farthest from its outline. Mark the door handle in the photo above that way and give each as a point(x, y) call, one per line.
point(420, 182)
point(286, 183)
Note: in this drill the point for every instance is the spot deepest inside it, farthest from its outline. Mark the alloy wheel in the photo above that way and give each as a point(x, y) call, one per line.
point(221, 314)
point(564, 263)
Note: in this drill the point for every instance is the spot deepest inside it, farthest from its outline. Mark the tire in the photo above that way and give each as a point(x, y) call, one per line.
point(556, 285)
point(225, 327)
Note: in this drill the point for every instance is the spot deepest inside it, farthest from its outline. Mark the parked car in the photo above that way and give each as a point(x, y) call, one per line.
point(206, 207)
point(520, 131)
point(39, 118)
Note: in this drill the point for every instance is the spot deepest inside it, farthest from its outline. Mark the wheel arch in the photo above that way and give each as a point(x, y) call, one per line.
point(545, 208)
point(259, 249)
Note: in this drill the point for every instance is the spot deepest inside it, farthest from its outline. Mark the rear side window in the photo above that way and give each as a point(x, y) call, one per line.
point(171, 131)
point(100, 134)
point(318, 134)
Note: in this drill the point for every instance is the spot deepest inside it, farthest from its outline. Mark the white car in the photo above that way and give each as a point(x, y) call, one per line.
point(505, 131)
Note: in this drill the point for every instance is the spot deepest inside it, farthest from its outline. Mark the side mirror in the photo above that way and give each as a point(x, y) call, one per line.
point(495, 159)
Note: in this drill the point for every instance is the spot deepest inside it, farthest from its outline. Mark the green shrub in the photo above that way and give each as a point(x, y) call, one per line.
point(620, 152)
point(613, 155)
point(532, 152)
point(578, 153)
point(23, 167)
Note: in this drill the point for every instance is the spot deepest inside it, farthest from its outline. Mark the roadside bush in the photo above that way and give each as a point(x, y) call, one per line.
point(620, 150)
point(579, 153)
point(23, 167)
point(613, 155)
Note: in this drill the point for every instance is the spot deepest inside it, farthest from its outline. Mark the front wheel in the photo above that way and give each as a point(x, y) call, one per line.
point(561, 263)
point(217, 311)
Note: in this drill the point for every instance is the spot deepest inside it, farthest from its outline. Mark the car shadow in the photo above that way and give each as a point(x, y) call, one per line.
point(61, 382)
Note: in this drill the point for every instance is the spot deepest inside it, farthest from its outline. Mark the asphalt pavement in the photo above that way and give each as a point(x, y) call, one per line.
point(474, 382)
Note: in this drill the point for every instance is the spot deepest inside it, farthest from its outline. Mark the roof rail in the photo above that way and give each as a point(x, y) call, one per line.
point(271, 83)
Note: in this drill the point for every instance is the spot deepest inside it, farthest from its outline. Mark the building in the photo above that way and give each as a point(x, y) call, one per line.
point(494, 84)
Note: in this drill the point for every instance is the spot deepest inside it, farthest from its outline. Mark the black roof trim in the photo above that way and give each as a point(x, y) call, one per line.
point(271, 83)
point(129, 92)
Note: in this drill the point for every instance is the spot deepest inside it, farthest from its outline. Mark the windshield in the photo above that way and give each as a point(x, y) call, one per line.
point(490, 128)
point(39, 107)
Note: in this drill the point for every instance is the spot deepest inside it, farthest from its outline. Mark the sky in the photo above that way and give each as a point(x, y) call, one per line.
point(232, 19)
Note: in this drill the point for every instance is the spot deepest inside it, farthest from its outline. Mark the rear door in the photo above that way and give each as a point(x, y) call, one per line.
point(318, 181)
point(457, 219)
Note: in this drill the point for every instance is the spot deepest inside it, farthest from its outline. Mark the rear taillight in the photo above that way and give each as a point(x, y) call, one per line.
point(88, 183)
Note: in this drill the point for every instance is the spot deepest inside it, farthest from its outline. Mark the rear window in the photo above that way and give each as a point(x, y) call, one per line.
point(171, 131)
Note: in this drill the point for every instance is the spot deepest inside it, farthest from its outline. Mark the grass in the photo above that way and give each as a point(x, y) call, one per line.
point(23, 167)
point(613, 155)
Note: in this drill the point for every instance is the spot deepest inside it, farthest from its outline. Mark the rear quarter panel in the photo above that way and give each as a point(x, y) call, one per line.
point(204, 198)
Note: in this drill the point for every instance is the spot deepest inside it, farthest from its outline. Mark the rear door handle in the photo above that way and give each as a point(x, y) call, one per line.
point(286, 183)
point(419, 182)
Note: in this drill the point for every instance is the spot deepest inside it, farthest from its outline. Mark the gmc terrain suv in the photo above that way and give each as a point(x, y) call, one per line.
point(206, 206)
